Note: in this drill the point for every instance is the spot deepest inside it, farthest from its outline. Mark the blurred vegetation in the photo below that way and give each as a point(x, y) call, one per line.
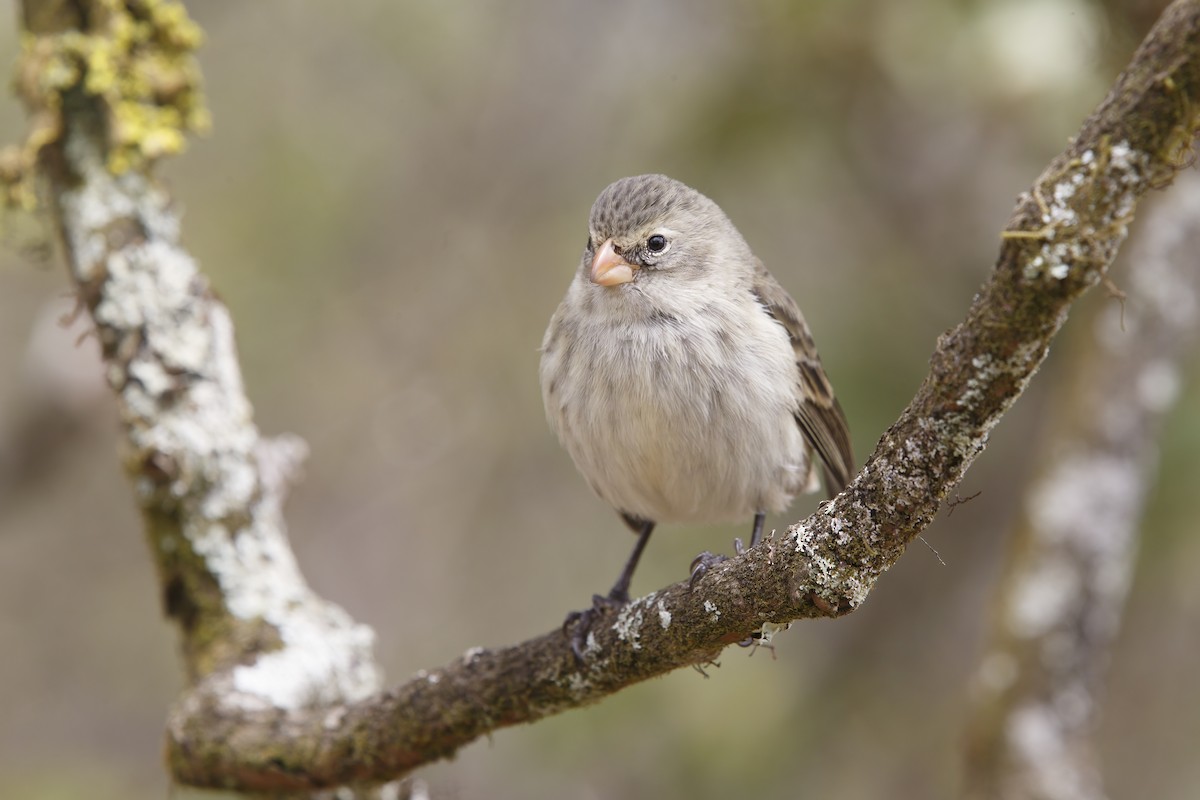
point(392, 201)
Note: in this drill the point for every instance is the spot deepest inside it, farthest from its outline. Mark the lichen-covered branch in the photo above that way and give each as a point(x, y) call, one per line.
point(213, 515)
point(135, 59)
point(211, 489)
point(1065, 586)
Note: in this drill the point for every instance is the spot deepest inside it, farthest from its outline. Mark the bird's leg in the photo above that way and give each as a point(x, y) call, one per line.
point(616, 597)
point(756, 534)
point(619, 594)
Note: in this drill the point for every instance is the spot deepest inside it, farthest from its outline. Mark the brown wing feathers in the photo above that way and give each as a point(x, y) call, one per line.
point(819, 414)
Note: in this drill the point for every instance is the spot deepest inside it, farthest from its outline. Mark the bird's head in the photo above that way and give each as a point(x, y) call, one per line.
point(651, 225)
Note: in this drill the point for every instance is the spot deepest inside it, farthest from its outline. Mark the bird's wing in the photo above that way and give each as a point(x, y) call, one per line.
point(819, 414)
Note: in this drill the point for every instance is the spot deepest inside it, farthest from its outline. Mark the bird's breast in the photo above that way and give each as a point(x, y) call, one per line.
point(678, 418)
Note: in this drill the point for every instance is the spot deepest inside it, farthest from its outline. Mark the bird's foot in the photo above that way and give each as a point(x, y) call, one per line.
point(702, 563)
point(578, 624)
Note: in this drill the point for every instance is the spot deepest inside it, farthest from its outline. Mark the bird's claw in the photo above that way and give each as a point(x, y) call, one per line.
point(701, 564)
point(578, 624)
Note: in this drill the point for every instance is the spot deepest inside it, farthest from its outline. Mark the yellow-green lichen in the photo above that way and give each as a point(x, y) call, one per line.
point(137, 58)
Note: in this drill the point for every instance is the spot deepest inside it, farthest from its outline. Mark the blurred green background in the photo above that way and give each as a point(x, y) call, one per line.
point(392, 202)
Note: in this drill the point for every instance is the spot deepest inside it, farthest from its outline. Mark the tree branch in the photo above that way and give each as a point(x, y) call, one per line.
point(1073, 554)
point(279, 678)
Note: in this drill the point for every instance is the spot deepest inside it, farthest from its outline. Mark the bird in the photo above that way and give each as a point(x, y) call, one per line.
point(681, 377)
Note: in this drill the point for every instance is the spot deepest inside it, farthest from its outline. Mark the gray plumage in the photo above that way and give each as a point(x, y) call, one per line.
point(687, 388)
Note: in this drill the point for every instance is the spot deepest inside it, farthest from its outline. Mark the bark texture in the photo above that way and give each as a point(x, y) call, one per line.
point(282, 693)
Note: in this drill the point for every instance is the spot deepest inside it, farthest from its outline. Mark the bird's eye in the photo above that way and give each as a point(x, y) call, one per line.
point(656, 243)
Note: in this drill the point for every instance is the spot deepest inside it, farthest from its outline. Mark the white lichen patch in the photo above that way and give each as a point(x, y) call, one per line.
point(325, 659)
point(1059, 213)
point(628, 626)
point(769, 630)
point(1168, 241)
point(334, 719)
point(1128, 161)
point(184, 411)
point(1038, 740)
point(1106, 185)
point(578, 685)
point(711, 608)
point(100, 200)
point(1022, 364)
point(664, 616)
point(1034, 732)
point(1055, 259)
point(1043, 598)
point(152, 379)
point(1074, 704)
point(841, 531)
point(984, 374)
point(1044, 739)
point(1087, 501)
point(1083, 517)
point(828, 577)
point(1158, 385)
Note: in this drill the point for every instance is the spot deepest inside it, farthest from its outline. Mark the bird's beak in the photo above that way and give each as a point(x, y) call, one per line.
point(608, 268)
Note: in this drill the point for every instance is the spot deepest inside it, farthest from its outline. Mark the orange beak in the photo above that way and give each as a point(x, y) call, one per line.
point(608, 268)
